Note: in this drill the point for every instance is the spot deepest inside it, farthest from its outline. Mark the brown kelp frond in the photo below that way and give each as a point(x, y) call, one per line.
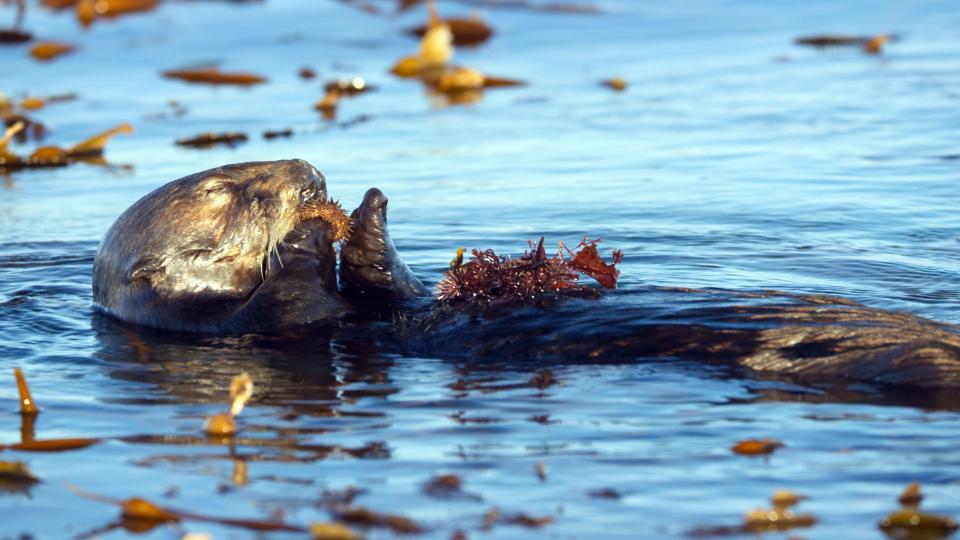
point(332, 213)
point(488, 276)
point(95, 145)
point(27, 405)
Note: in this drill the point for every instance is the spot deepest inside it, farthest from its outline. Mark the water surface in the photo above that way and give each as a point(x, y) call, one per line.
point(734, 160)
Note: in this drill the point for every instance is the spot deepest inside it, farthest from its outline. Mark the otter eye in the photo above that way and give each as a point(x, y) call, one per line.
point(308, 193)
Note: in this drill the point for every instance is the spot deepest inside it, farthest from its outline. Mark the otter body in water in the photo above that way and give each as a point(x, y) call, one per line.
point(232, 250)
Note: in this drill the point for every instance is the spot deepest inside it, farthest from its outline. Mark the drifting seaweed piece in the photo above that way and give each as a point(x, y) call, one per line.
point(869, 44)
point(500, 82)
point(408, 66)
point(94, 145)
point(443, 484)
point(489, 276)
point(459, 79)
point(911, 495)
point(916, 525)
point(142, 512)
point(328, 104)
point(241, 390)
point(876, 43)
point(271, 134)
point(54, 445)
point(332, 213)
point(32, 129)
point(32, 103)
point(46, 51)
point(466, 32)
point(756, 447)
point(9, 159)
point(332, 531)
point(142, 509)
point(209, 139)
point(48, 156)
point(831, 40)
point(435, 52)
point(58, 4)
point(780, 517)
point(365, 517)
point(15, 477)
point(16, 472)
point(617, 84)
point(526, 520)
point(13, 35)
point(27, 405)
point(212, 75)
point(588, 261)
point(605, 493)
point(337, 89)
point(348, 87)
point(307, 73)
point(89, 10)
point(784, 498)
point(448, 487)
point(910, 523)
point(436, 45)
point(224, 425)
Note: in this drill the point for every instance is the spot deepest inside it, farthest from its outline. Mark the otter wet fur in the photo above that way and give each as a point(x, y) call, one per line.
point(250, 248)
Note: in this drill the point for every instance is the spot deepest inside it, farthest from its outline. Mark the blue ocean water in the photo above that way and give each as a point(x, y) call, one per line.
point(735, 159)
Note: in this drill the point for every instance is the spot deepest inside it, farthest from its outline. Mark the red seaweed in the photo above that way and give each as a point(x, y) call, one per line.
point(488, 276)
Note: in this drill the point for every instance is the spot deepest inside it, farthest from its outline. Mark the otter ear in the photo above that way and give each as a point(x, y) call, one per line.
point(145, 268)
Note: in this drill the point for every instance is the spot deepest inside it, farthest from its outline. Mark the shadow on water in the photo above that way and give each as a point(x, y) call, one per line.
point(704, 333)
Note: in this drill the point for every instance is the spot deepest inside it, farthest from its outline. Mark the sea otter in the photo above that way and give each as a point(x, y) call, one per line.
point(248, 248)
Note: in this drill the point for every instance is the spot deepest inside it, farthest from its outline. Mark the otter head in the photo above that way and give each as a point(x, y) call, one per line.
point(193, 252)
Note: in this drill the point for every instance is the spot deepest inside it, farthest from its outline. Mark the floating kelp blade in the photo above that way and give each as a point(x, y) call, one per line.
point(55, 445)
point(210, 139)
point(756, 447)
point(466, 32)
point(27, 404)
point(617, 84)
point(332, 531)
point(144, 511)
point(89, 10)
point(95, 145)
point(8, 35)
point(212, 75)
point(365, 517)
point(46, 51)
point(869, 44)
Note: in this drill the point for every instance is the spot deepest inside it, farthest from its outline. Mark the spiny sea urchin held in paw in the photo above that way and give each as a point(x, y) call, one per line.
point(332, 213)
